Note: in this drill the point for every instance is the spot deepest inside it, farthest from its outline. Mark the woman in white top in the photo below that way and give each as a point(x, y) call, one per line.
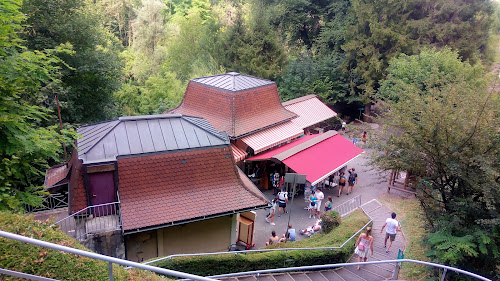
point(364, 242)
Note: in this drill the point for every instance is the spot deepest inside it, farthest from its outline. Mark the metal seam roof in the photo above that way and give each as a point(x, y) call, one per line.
point(233, 81)
point(145, 135)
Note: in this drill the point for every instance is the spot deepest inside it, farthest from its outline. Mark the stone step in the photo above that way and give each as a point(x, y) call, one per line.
point(282, 277)
point(332, 275)
point(300, 276)
point(316, 276)
point(348, 274)
point(266, 278)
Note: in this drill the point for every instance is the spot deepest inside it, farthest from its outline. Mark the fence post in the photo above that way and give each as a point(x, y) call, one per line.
point(444, 273)
point(110, 268)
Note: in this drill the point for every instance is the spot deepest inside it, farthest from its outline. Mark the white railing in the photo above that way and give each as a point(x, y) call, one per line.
point(50, 202)
point(330, 266)
point(93, 219)
point(349, 206)
point(91, 255)
point(169, 272)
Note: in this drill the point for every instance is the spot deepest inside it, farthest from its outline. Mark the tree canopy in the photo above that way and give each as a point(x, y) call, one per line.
point(441, 124)
point(26, 145)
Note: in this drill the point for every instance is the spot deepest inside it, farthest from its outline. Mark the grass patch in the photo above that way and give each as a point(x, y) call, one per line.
point(411, 216)
point(222, 264)
point(36, 260)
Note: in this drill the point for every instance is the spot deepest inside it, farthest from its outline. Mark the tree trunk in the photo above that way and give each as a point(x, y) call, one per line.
point(368, 112)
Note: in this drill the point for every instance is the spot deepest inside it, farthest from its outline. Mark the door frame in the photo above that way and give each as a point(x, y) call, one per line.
point(96, 168)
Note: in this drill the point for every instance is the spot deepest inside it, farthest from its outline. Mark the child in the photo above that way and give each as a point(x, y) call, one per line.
point(274, 204)
point(328, 204)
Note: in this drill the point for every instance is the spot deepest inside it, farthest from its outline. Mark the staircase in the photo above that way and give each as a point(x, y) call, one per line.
point(379, 213)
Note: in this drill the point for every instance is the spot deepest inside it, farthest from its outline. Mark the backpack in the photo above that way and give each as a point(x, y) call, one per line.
point(352, 177)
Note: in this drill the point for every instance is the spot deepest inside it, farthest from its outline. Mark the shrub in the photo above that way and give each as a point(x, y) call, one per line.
point(45, 262)
point(330, 220)
point(239, 262)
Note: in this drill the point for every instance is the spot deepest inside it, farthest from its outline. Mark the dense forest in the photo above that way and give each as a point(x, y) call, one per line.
point(102, 59)
point(128, 57)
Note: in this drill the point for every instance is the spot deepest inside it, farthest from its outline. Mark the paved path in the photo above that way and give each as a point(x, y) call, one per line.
point(379, 213)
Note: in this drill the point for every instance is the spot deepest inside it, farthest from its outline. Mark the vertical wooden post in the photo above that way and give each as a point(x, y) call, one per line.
point(61, 126)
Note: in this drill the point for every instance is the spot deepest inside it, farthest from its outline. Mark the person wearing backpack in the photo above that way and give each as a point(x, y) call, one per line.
point(282, 201)
point(353, 178)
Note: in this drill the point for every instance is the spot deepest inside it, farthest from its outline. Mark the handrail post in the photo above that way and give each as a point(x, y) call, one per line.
point(110, 268)
point(444, 274)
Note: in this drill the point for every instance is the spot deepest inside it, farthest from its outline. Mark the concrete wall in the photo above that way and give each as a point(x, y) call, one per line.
point(141, 246)
point(197, 237)
point(106, 243)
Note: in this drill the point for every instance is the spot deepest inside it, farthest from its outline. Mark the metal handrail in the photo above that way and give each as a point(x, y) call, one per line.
point(169, 272)
point(328, 266)
point(271, 250)
point(110, 260)
point(50, 202)
point(79, 224)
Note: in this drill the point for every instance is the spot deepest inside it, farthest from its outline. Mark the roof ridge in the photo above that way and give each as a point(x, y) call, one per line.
point(103, 136)
point(219, 135)
point(299, 99)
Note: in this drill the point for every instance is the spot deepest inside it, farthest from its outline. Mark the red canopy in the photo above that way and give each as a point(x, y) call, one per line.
point(321, 156)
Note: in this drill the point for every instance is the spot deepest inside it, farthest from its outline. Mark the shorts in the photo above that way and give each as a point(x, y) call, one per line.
point(392, 236)
point(351, 183)
point(342, 183)
point(318, 206)
point(282, 204)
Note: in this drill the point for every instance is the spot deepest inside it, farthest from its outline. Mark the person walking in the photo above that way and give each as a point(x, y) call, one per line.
point(282, 201)
point(393, 227)
point(342, 182)
point(320, 195)
point(353, 178)
point(272, 213)
point(364, 138)
point(365, 242)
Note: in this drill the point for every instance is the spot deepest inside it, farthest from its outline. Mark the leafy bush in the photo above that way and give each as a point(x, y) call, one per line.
point(36, 260)
point(330, 220)
point(222, 264)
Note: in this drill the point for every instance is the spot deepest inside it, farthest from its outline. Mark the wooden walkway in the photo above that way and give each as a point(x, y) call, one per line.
point(379, 214)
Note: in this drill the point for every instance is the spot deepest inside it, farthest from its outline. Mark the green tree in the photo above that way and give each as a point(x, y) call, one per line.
point(385, 29)
point(199, 35)
point(95, 65)
point(321, 75)
point(251, 47)
point(441, 125)
point(25, 146)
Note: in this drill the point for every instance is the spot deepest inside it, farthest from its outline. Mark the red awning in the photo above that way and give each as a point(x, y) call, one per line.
point(238, 153)
point(272, 136)
point(316, 156)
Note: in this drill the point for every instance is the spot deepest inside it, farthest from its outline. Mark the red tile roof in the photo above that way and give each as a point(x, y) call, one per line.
point(56, 174)
point(238, 113)
point(172, 187)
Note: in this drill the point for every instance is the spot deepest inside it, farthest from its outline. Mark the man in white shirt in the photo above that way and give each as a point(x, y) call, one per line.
point(392, 227)
point(320, 197)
